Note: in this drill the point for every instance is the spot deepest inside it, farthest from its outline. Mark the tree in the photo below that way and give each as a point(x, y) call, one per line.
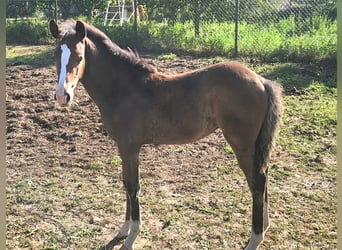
point(66, 8)
point(20, 8)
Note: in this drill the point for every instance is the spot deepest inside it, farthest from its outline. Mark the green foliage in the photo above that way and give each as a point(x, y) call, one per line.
point(279, 41)
point(45, 8)
point(20, 8)
point(282, 41)
point(27, 32)
point(275, 42)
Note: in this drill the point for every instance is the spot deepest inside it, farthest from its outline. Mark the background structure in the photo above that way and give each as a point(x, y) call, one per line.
point(203, 19)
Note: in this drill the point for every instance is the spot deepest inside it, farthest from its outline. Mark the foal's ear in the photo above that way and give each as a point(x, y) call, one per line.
point(54, 28)
point(81, 31)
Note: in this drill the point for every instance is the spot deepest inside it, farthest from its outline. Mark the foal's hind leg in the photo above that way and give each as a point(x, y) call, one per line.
point(257, 183)
point(260, 217)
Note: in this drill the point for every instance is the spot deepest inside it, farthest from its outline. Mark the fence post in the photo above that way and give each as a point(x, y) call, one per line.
point(236, 50)
point(56, 15)
point(135, 22)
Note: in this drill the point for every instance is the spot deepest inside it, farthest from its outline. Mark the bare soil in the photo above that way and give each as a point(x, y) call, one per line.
point(64, 187)
point(41, 135)
point(39, 131)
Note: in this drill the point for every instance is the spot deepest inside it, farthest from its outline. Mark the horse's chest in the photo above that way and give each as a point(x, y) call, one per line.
point(124, 122)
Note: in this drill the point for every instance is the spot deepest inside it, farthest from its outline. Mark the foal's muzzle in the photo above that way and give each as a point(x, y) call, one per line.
point(63, 99)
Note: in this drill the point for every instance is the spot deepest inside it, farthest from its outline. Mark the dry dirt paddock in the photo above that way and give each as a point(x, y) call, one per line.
point(64, 188)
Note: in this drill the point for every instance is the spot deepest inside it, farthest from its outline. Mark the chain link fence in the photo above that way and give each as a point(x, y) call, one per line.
point(242, 13)
point(180, 10)
point(237, 21)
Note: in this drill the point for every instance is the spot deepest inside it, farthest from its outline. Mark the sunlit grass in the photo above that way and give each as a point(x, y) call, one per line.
point(38, 55)
point(281, 40)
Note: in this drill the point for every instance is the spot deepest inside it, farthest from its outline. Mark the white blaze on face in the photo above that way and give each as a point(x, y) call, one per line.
point(64, 61)
point(65, 56)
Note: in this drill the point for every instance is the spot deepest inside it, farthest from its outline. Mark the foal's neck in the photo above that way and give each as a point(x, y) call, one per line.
point(106, 78)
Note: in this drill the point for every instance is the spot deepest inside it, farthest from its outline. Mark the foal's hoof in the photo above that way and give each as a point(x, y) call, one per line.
point(123, 247)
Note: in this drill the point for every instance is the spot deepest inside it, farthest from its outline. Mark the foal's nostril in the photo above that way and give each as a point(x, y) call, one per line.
point(55, 97)
point(67, 97)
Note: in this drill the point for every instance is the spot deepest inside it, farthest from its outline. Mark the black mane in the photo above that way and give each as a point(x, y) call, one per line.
point(97, 36)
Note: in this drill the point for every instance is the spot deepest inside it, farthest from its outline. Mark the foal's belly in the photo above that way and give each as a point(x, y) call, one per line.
point(180, 132)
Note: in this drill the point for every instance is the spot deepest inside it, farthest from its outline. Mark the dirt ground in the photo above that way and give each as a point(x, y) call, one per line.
point(64, 187)
point(40, 134)
point(39, 131)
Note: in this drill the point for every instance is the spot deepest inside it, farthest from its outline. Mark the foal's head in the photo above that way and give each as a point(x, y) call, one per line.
point(69, 58)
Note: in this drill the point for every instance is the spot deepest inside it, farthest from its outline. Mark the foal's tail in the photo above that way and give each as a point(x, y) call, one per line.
point(269, 129)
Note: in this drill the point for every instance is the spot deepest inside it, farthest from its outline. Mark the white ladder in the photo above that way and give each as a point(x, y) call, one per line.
point(118, 12)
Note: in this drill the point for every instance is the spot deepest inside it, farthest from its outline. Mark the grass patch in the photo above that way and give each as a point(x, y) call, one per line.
point(116, 161)
point(278, 41)
point(38, 55)
point(284, 40)
point(300, 75)
point(170, 56)
point(97, 165)
point(317, 106)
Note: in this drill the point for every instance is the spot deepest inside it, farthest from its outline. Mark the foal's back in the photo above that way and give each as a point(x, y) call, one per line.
point(188, 106)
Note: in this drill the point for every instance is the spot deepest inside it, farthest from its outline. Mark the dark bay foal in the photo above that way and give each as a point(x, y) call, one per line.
point(139, 105)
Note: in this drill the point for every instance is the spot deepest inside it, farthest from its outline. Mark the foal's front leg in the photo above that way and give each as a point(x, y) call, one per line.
point(123, 233)
point(130, 173)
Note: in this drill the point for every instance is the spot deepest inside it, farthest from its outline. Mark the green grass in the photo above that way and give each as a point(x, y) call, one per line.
point(317, 106)
point(170, 56)
point(38, 55)
point(302, 74)
point(284, 40)
point(288, 40)
point(116, 161)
